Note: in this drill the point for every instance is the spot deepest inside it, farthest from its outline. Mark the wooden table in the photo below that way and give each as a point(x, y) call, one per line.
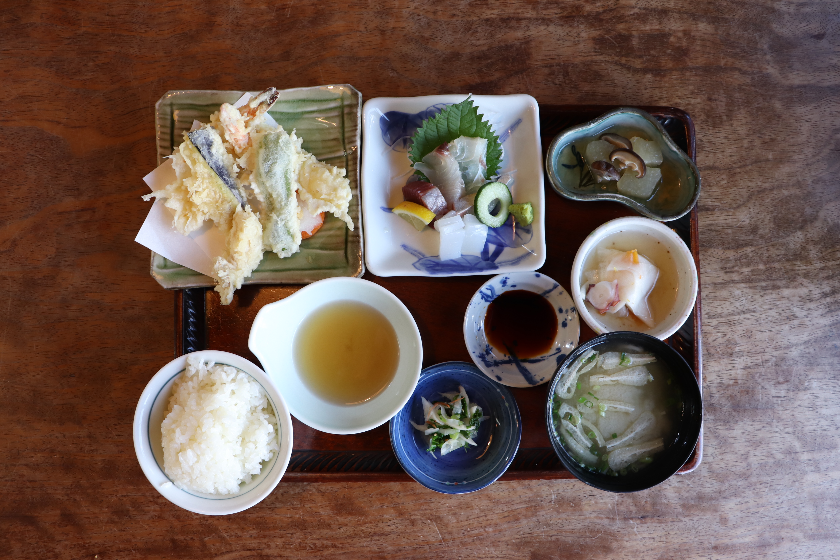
point(83, 326)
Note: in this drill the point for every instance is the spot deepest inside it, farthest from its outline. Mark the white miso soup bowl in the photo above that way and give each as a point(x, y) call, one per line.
point(272, 341)
point(683, 259)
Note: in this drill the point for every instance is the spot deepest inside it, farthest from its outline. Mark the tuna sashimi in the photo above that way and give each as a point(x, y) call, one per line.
point(426, 195)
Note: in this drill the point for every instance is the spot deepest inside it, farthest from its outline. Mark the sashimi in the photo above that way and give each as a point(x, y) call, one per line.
point(427, 195)
point(442, 170)
point(470, 153)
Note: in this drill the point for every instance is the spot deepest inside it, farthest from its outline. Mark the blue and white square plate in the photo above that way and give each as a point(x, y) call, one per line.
point(392, 246)
point(510, 370)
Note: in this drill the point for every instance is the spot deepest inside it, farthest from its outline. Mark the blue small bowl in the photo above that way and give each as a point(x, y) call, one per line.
point(463, 470)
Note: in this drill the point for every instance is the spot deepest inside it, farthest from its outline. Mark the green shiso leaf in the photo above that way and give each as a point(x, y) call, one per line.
point(461, 119)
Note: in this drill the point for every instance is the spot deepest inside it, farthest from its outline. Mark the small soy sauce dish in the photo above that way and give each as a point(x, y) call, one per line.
point(469, 468)
point(682, 409)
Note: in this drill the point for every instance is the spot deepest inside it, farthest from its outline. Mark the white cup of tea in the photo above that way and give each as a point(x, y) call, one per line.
point(285, 332)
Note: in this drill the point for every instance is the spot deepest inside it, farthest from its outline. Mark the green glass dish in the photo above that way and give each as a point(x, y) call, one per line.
point(328, 118)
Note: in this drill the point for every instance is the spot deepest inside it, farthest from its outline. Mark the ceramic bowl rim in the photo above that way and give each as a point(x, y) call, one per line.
point(677, 244)
point(313, 421)
point(560, 141)
point(602, 482)
point(153, 471)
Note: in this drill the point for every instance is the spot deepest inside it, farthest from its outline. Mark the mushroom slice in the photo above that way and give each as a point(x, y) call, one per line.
point(604, 171)
point(628, 159)
point(617, 140)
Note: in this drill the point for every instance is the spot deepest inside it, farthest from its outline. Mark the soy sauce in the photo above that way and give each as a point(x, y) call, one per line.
point(521, 323)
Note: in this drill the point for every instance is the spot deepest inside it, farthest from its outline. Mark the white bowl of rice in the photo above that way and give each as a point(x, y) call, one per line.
point(212, 433)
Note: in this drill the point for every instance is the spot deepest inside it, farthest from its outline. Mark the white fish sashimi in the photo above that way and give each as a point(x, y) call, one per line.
point(443, 171)
point(470, 153)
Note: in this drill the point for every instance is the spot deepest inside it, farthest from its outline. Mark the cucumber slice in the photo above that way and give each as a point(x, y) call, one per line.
point(492, 202)
point(524, 213)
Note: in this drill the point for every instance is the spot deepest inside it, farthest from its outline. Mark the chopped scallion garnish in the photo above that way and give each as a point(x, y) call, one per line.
point(593, 396)
point(615, 436)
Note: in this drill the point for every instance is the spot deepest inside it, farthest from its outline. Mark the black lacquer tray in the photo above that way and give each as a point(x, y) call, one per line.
point(202, 322)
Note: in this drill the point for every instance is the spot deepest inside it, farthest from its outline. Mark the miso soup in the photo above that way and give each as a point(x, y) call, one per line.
point(615, 409)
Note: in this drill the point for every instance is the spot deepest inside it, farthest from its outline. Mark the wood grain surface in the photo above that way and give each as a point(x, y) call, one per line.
point(83, 326)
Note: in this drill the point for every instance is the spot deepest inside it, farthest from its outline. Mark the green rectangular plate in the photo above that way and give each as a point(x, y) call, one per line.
point(328, 118)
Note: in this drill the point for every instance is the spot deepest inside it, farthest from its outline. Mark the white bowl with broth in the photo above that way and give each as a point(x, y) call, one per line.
point(672, 298)
point(345, 353)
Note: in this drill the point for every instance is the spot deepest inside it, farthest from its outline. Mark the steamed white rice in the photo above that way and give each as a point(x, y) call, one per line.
point(219, 428)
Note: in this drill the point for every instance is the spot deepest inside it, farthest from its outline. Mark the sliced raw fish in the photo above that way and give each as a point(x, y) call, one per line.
point(464, 205)
point(442, 170)
point(475, 235)
point(451, 242)
point(470, 153)
point(449, 223)
point(426, 195)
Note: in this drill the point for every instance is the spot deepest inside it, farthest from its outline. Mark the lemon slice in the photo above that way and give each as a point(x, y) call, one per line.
point(414, 214)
